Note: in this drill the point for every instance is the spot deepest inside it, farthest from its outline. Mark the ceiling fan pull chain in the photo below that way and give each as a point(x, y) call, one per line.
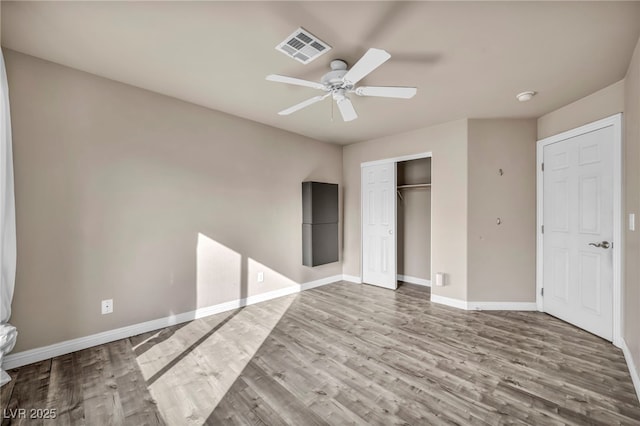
point(331, 110)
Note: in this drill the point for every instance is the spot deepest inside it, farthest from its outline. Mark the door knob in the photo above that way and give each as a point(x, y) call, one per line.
point(390, 232)
point(604, 244)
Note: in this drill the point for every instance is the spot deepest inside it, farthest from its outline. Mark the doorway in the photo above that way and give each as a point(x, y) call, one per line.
point(414, 221)
point(579, 227)
point(392, 227)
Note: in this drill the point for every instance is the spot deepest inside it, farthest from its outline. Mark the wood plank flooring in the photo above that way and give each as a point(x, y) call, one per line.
point(339, 354)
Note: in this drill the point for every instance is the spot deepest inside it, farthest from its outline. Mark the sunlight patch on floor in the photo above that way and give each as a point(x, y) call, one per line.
point(189, 373)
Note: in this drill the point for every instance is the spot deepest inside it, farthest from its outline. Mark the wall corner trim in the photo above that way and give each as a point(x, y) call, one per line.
point(30, 356)
point(633, 371)
point(414, 280)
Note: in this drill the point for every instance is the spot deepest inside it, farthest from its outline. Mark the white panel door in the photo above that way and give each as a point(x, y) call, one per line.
point(578, 231)
point(379, 225)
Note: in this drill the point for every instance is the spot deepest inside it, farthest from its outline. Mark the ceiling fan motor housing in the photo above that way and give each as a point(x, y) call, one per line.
point(333, 78)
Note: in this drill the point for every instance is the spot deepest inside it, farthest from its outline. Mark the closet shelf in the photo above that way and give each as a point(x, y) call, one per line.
point(418, 185)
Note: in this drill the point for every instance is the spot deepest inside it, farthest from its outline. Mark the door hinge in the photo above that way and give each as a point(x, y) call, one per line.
point(542, 167)
point(542, 291)
point(543, 229)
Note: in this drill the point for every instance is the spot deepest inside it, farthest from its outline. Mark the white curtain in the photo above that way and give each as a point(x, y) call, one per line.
point(8, 332)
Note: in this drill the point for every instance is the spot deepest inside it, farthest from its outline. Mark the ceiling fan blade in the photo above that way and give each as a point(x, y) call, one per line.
point(369, 62)
point(387, 92)
point(296, 81)
point(303, 104)
point(346, 109)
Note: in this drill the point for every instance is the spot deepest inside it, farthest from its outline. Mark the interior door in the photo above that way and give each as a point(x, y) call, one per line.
point(578, 231)
point(379, 225)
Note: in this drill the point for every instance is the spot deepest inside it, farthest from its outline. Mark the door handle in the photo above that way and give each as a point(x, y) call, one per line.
point(390, 232)
point(604, 244)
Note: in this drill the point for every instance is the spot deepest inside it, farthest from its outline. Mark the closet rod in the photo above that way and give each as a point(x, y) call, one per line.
point(419, 185)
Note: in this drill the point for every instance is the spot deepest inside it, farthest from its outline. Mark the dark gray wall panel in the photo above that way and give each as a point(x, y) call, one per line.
point(319, 243)
point(319, 223)
point(319, 202)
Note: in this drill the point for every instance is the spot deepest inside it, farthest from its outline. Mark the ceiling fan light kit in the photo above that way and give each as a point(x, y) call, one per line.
point(340, 81)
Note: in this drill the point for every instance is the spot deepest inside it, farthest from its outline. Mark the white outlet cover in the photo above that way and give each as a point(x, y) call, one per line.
point(632, 221)
point(260, 277)
point(107, 306)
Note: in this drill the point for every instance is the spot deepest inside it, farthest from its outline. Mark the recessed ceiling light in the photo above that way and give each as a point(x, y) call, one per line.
point(525, 96)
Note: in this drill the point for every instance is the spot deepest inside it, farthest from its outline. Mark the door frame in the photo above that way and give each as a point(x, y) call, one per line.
point(614, 121)
point(376, 163)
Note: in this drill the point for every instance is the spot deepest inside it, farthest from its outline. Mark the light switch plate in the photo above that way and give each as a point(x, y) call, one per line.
point(632, 221)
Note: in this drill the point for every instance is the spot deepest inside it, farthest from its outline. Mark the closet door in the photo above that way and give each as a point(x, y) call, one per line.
point(379, 225)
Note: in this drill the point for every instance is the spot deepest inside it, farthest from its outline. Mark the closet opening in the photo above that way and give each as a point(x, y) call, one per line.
point(413, 235)
point(396, 221)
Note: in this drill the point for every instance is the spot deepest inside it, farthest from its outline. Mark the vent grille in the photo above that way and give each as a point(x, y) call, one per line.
point(303, 46)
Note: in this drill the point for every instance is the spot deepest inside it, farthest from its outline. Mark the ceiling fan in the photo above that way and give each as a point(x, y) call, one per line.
point(339, 82)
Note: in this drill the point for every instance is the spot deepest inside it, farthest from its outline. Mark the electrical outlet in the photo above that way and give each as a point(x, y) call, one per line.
point(260, 277)
point(632, 221)
point(107, 306)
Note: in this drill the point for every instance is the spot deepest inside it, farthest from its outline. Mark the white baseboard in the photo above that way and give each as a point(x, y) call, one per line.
point(352, 279)
point(502, 306)
point(633, 371)
point(456, 303)
point(322, 281)
point(414, 280)
point(30, 356)
point(484, 306)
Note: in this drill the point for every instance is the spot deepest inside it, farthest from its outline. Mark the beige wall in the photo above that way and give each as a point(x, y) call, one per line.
point(483, 262)
point(159, 204)
point(603, 103)
point(448, 144)
point(501, 258)
point(414, 220)
point(631, 290)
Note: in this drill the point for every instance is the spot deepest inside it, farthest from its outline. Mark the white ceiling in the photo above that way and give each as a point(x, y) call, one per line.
point(468, 59)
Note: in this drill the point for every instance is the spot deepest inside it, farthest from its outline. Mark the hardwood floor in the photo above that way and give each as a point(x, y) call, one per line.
point(339, 354)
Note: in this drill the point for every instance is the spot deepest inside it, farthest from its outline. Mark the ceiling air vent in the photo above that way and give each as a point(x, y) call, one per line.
point(303, 46)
